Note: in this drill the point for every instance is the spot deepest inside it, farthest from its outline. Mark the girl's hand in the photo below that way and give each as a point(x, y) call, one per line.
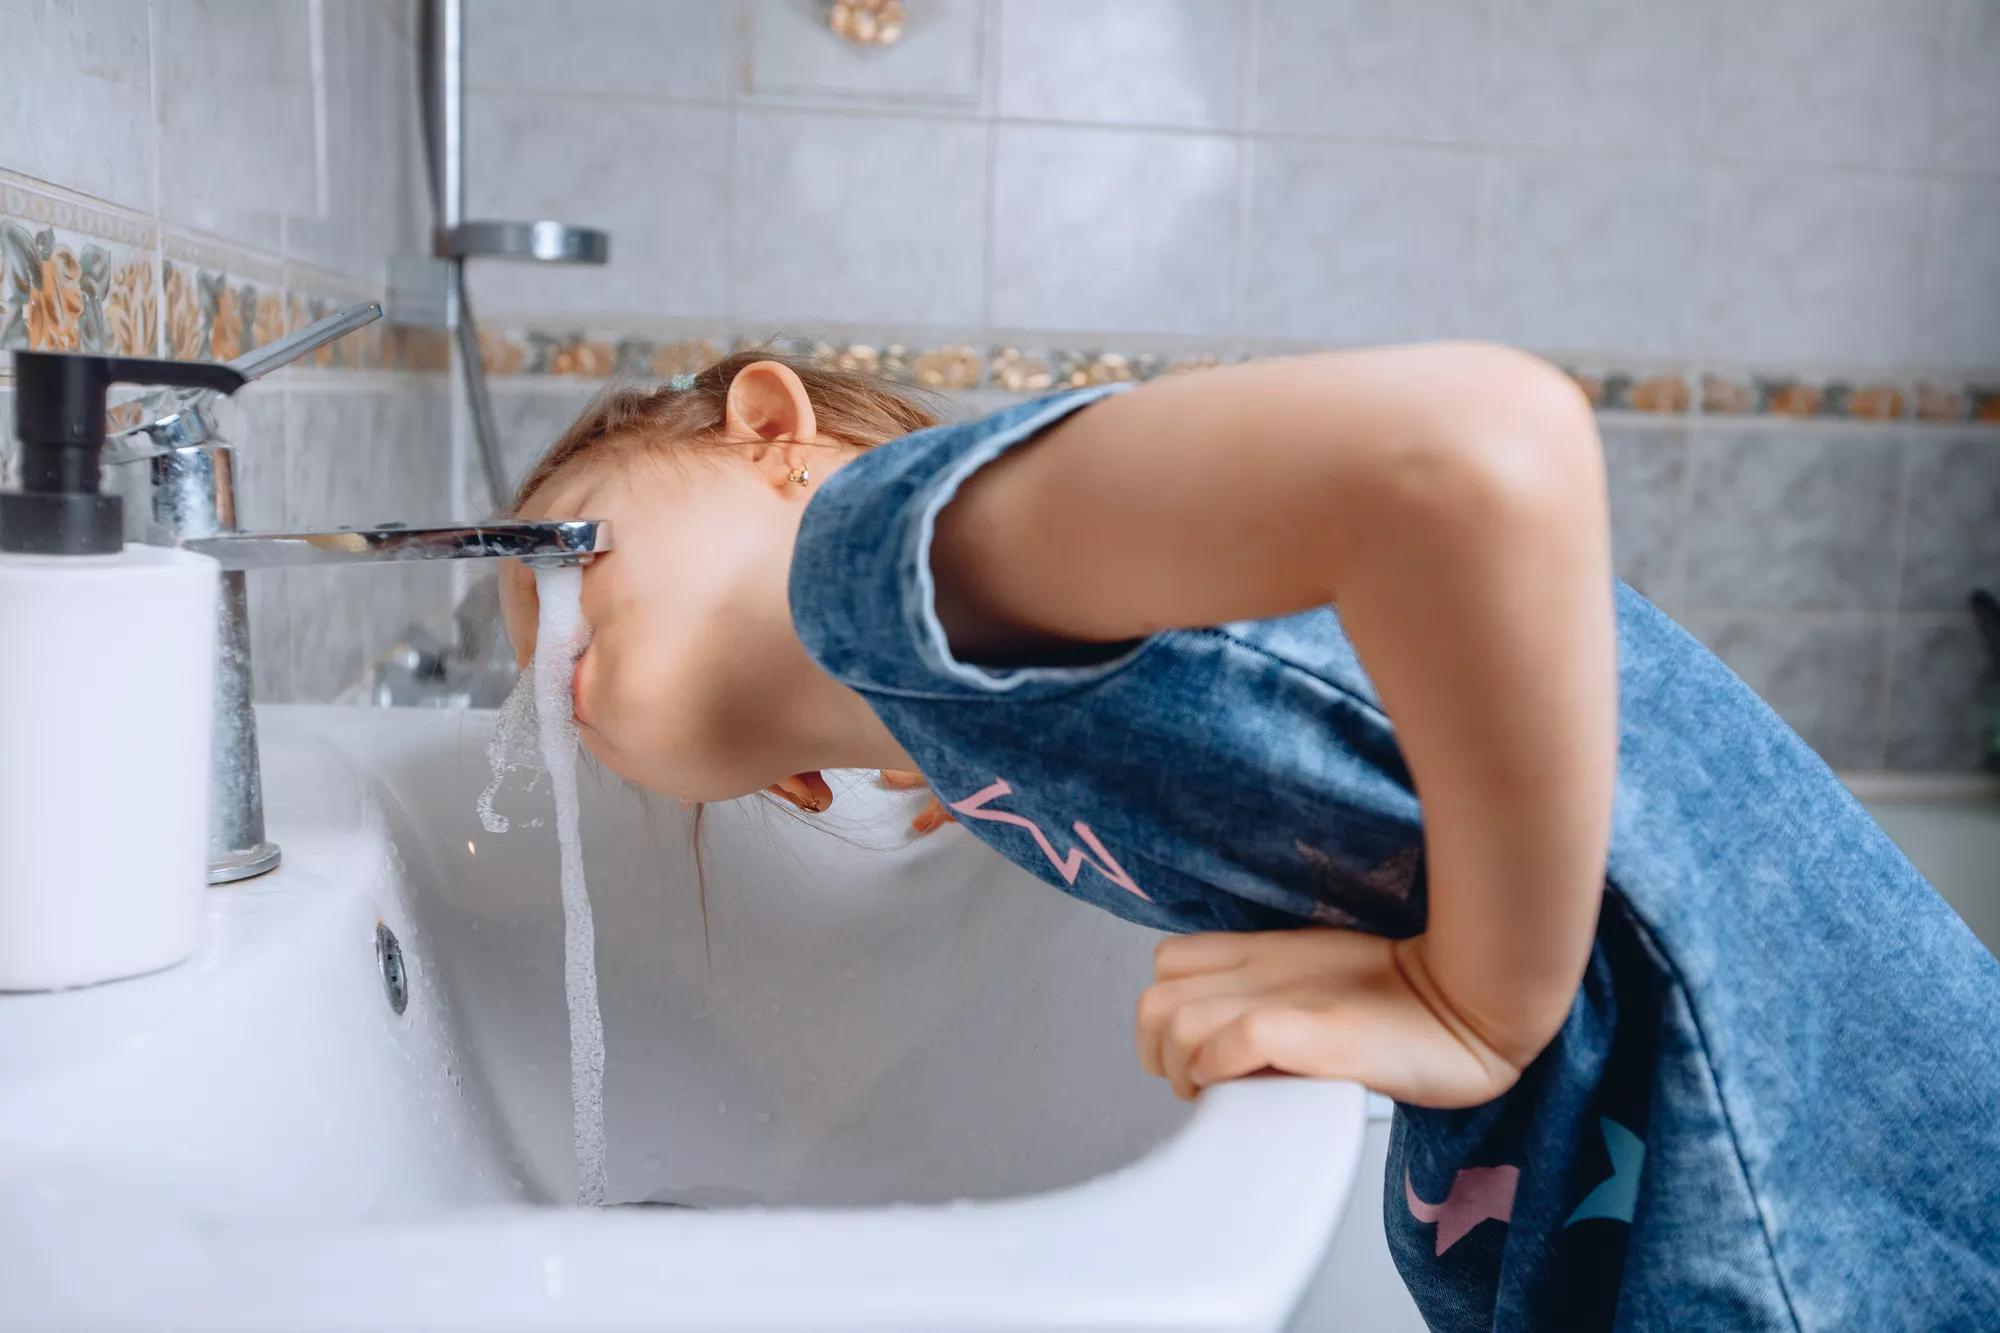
point(1318, 1003)
point(933, 815)
point(810, 793)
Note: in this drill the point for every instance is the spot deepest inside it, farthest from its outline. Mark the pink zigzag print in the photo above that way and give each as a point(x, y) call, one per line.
point(1069, 867)
point(1477, 1193)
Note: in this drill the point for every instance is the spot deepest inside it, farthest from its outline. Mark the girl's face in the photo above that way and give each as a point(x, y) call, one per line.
point(695, 684)
point(687, 638)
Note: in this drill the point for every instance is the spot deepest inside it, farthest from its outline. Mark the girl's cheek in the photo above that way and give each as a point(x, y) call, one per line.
point(602, 703)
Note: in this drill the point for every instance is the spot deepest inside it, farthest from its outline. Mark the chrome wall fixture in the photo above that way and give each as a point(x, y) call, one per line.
point(435, 291)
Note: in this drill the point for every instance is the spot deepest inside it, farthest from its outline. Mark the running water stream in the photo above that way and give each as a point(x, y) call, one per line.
point(540, 715)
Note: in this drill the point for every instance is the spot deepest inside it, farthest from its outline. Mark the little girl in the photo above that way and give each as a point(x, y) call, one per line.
point(1323, 659)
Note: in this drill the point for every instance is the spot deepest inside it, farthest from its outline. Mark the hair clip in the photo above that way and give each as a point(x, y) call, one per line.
point(681, 382)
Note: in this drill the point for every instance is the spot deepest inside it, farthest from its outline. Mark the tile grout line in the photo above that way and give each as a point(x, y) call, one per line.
point(1684, 544)
point(1251, 28)
point(1702, 319)
point(934, 110)
point(740, 103)
point(989, 75)
point(160, 347)
point(1863, 616)
point(737, 71)
point(1899, 554)
point(1940, 75)
point(1929, 205)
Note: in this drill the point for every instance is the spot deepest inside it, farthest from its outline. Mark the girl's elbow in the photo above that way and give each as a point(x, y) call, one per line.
point(1520, 437)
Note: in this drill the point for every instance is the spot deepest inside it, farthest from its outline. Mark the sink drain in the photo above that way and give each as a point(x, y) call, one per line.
point(389, 957)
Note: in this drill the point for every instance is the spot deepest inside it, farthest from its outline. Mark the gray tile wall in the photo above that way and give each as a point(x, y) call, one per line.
point(280, 137)
point(1777, 182)
point(317, 455)
point(1801, 185)
point(1829, 566)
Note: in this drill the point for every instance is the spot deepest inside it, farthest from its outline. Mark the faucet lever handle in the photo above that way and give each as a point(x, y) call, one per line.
point(261, 361)
point(153, 410)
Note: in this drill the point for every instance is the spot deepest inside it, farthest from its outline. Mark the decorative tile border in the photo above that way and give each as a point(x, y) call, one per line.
point(75, 279)
point(1023, 368)
point(1615, 388)
point(218, 304)
point(1967, 401)
point(313, 294)
point(1855, 398)
point(79, 276)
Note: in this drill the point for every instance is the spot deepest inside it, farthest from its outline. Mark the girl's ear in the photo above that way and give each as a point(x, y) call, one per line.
point(768, 402)
point(808, 791)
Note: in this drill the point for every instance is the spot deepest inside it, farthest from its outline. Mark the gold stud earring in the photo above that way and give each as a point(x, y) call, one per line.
point(799, 475)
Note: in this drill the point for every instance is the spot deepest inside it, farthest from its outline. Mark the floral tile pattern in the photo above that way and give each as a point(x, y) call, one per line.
point(312, 294)
point(85, 277)
point(1026, 369)
point(1874, 399)
point(1619, 389)
point(1954, 403)
point(74, 279)
point(213, 315)
point(79, 276)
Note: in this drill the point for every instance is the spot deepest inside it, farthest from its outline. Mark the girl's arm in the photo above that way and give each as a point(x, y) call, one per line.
point(1449, 500)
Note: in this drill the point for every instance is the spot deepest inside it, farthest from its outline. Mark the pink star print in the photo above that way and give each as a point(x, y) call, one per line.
point(1069, 867)
point(1477, 1193)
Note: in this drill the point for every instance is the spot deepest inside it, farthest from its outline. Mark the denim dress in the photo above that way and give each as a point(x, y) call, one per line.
point(1775, 1102)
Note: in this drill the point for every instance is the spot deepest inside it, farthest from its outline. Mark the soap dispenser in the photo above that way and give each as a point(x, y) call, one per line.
point(107, 657)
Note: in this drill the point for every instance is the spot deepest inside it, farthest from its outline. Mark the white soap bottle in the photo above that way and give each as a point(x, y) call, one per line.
point(107, 661)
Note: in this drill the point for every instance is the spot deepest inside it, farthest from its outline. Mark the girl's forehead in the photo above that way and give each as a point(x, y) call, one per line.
point(564, 495)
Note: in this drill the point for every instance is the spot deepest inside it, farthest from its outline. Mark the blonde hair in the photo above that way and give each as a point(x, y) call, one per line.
point(850, 406)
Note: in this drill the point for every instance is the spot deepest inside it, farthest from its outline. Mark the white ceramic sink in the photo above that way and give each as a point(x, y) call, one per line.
point(898, 1091)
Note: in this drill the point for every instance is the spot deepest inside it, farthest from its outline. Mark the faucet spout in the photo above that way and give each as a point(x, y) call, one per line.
point(570, 542)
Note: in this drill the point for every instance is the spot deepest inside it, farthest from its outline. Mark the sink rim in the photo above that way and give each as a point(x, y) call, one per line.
point(897, 1267)
point(1234, 1208)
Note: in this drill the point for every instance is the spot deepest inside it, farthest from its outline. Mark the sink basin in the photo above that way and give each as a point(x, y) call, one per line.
point(873, 1085)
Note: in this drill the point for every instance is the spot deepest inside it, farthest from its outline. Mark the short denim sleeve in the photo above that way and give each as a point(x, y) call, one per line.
point(862, 596)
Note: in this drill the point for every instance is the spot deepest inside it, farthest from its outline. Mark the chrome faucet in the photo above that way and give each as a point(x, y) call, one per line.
point(178, 478)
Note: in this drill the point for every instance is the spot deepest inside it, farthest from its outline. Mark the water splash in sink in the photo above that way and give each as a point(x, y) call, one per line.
point(539, 715)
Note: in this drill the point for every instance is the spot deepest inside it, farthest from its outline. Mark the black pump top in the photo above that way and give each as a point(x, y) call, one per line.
point(59, 421)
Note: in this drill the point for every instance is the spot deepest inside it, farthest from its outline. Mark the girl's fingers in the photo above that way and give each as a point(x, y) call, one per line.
point(807, 791)
point(1191, 1026)
point(1191, 955)
point(1289, 1040)
point(1160, 1002)
point(932, 816)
